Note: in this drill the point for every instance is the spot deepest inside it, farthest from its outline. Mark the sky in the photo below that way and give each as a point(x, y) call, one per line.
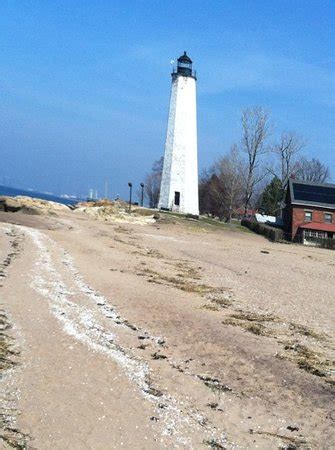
point(85, 84)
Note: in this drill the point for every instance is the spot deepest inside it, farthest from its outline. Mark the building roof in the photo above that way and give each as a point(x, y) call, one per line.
point(319, 226)
point(185, 59)
point(241, 210)
point(312, 194)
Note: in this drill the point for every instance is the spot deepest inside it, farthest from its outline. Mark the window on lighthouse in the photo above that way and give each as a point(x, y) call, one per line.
point(177, 198)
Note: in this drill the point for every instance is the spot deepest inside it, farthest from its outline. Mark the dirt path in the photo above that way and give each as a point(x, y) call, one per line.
point(135, 337)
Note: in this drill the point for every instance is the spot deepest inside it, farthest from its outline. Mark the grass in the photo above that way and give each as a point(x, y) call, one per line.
point(210, 307)
point(187, 271)
point(203, 222)
point(121, 229)
point(212, 443)
point(306, 331)
point(177, 282)
point(255, 328)
point(313, 362)
point(252, 322)
point(254, 317)
point(293, 441)
point(306, 358)
point(9, 434)
point(6, 348)
point(220, 298)
point(214, 383)
point(233, 226)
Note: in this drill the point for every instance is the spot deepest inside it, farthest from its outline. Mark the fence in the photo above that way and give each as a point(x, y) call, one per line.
point(277, 235)
point(319, 242)
point(274, 234)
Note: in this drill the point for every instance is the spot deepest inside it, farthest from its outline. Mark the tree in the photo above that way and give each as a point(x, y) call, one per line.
point(211, 196)
point(286, 149)
point(205, 200)
point(311, 170)
point(153, 183)
point(272, 197)
point(232, 171)
point(221, 188)
point(255, 130)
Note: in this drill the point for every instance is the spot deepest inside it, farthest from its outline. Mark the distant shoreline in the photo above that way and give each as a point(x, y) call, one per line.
point(13, 192)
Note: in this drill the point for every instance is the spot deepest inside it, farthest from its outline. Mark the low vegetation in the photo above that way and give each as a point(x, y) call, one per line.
point(274, 234)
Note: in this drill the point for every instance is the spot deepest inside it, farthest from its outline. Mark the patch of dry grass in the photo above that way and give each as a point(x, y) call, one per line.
point(177, 282)
point(210, 307)
point(254, 327)
point(212, 443)
point(214, 383)
point(307, 359)
point(252, 322)
point(7, 351)
point(10, 435)
point(292, 441)
point(306, 331)
point(254, 317)
point(315, 361)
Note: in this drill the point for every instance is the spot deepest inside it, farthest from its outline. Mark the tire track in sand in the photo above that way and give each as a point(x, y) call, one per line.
point(83, 324)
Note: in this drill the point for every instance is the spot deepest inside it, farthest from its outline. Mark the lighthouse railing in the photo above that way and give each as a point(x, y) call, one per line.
point(190, 73)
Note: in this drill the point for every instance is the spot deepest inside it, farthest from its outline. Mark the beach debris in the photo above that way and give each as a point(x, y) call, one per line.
point(212, 443)
point(142, 346)
point(160, 341)
point(157, 355)
point(214, 383)
point(9, 433)
point(213, 405)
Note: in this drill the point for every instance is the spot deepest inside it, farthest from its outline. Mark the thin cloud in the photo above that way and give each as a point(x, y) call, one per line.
point(271, 73)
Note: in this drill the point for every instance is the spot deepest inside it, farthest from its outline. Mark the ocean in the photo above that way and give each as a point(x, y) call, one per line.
point(13, 192)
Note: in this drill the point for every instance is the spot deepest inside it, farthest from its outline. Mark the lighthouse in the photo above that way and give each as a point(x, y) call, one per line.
point(179, 185)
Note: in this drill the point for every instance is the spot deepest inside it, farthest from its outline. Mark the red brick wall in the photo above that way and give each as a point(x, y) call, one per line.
point(298, 217)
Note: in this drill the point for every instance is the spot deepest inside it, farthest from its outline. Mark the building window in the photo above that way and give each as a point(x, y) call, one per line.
point(315, 234)
point(308, 216)
point(328, 217)
point(177, 198)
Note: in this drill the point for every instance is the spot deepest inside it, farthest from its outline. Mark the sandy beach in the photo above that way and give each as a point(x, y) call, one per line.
point(172, 334)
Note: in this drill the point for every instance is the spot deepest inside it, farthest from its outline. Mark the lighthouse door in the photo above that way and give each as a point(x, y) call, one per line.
point(177, 198)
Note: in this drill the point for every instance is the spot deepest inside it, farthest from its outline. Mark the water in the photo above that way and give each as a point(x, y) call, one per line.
point(13, 192)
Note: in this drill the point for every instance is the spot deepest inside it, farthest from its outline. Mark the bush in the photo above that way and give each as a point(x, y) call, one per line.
point(274, 234)
point(323, 243)
point(328, 243)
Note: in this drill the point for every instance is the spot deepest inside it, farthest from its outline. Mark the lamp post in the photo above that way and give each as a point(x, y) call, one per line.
point(130, 192)
point(142, 193)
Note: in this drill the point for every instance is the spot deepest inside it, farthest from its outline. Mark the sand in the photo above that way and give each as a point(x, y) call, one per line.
point(165, 335)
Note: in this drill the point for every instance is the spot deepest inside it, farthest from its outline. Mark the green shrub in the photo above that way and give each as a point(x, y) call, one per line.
point(323, 243)
point(274, 234)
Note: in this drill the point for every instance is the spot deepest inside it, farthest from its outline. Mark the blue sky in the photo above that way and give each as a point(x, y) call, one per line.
point(85, 85)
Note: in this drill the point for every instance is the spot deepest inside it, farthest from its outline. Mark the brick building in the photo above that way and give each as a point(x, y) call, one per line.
point(309, 211)
point(241, 213)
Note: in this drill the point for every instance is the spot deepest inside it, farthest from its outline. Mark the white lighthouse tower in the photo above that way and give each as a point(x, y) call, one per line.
point(179, 185)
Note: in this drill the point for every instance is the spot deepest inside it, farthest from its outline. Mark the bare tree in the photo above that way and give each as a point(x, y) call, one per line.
point(153, 183)
point(255, 132)
point(221, 187)
point(286, 149)
point(312, 170)
point(211, 193)
point(231, 170)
